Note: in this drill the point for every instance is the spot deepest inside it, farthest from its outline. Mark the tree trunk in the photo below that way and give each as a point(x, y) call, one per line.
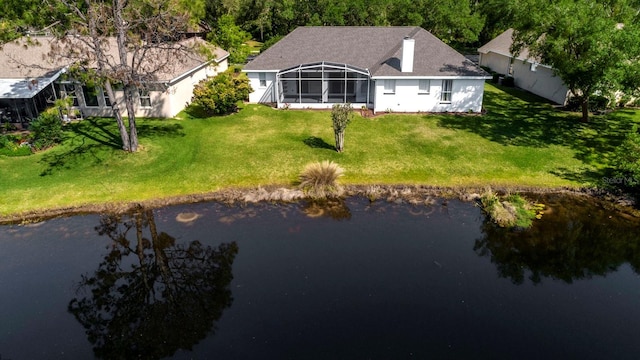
point(339, 141)
point(121, 38)
point(115, 107)
point(585, 109)
point(101, 59)
point(129, 99)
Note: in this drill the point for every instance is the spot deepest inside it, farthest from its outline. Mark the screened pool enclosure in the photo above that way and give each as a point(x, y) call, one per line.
point(324, 83)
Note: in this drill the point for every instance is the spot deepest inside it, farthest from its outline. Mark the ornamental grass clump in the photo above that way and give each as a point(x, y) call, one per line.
point(513, 211)
point(319, 179)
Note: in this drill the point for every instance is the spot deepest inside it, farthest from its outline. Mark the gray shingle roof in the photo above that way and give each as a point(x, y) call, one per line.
point(501, 44)
point(375, 48)
point(33, 58)
point(29, 61)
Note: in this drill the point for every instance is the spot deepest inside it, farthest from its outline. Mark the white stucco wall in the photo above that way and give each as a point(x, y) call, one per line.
point(164, 104)
point(466, 96)
point(541, 82)
point(179, 94)
point(496, 62)
point(262, 94)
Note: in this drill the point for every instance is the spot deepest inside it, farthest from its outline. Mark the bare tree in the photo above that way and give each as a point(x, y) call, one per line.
point(127, 42)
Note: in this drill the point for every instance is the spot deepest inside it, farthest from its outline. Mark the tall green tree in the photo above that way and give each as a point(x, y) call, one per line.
point(20, 16)
point(499, 15)
point(591, 44)
point(453, 21)
point(230, 37)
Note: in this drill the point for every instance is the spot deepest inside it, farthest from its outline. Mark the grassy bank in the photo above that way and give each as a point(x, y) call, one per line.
point(521, 141)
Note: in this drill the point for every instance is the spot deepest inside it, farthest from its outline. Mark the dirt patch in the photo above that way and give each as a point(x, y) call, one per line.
point(411, 194)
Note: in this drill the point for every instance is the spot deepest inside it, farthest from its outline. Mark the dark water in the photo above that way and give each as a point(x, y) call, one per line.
point(348, 281)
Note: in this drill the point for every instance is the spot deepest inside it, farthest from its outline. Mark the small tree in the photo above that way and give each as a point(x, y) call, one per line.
point(219, 95)
point(341, 114)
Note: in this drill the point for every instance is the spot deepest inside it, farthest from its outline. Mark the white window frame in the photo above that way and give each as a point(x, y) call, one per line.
point(105, 98)
point(447, 91)
point(389, 87)
point(144, 95)
point(70, 90)
point(262, 79)
point(86, 92)
point(424, 87)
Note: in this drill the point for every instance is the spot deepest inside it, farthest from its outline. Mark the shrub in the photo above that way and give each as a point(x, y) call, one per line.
point(319, 180)
point(509, 81)
point(219, 95)
point(9, 146)
point(513, 211)
point(596, 103)
point(626, 161)
point(495, 77)
point(46, 131)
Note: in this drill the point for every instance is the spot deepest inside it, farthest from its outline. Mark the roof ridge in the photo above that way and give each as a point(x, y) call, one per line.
point(393, 50)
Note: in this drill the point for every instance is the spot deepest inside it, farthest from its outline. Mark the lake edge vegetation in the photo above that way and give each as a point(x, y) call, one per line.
point(520, 143)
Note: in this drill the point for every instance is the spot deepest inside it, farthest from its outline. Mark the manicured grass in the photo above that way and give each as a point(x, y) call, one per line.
point(521, 141)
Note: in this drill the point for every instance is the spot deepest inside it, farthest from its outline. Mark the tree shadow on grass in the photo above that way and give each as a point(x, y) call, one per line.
point(91, 141)
point(317, 143)
point(151, 130)
point(518, 118)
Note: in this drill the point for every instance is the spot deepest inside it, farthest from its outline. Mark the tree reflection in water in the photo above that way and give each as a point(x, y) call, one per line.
point(576, 239)
point(150, 297)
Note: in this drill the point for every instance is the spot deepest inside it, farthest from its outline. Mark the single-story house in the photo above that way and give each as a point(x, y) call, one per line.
point(527, 73)
point(398, 69)
point(31, 79)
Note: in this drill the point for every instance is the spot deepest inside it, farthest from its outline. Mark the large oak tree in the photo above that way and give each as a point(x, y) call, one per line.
point(591, 44)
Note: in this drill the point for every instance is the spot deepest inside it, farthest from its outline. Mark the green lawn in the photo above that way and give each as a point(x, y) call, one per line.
point(521, 141)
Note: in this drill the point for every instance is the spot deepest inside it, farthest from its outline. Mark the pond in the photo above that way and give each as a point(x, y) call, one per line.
point(346, 280)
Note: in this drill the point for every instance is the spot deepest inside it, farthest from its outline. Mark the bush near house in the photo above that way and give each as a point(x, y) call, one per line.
point(10, 146)
point(46, 131)
point(219, 95)
point(509, 81)
point(596, 103)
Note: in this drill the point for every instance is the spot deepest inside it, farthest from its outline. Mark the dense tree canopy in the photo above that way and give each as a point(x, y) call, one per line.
point(591, 44)
point(454, 21)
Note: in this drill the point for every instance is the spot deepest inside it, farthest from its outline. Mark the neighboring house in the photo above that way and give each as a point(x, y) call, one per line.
point(399, 69)
point(527, 73)
point(31, 79)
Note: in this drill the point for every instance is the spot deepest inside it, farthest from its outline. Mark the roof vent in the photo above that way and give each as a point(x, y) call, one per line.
point(406, 61)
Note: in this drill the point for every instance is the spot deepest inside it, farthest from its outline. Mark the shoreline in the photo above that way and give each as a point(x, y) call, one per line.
point(411, 194)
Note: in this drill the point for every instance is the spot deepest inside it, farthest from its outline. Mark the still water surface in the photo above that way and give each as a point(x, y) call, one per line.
point(350, 281)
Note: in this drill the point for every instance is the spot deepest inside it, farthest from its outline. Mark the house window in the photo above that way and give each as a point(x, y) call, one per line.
point(424, 87)
point(90, 94)
point(69, 91)
point(263, 79)
point(145, 98)
point(445, 95)
point(389, 86)
point(107, 101)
